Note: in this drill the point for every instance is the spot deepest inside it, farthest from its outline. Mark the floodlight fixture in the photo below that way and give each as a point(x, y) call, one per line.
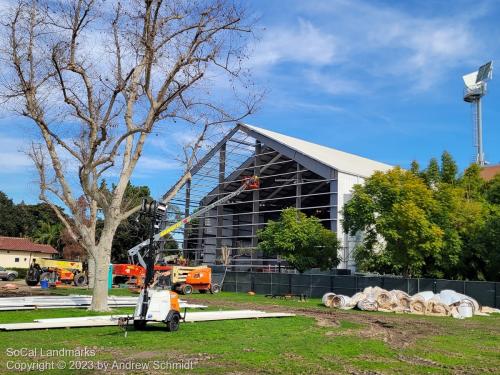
point(475, 89)
point(485, 72)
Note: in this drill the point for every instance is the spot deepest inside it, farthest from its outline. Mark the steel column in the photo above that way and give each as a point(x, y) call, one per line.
point(333, 204)
point(220, 191)
point(298, 188)
point(256, 196)
point(186, 214)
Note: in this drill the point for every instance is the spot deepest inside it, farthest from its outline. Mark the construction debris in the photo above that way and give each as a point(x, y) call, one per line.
point(113, 320)
point(446, 303)
point(71, 301)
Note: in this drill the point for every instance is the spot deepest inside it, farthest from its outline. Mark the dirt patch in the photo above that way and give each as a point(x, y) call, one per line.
point(22, 290)
point(419, 361)
point(325, 322)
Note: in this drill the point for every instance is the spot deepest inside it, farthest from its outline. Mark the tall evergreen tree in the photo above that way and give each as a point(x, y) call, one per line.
point(415, 168)
point(449, 168)
point(432, 175)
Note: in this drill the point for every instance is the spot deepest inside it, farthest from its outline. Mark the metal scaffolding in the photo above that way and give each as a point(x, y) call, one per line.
point(287, 179)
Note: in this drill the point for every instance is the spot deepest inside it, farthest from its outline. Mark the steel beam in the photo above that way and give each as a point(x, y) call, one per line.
point(308, 162)
point(220, 191)
point(186, 214)
point(298, 188)
point(208, 156)
point(256, 194)
point(333, 205)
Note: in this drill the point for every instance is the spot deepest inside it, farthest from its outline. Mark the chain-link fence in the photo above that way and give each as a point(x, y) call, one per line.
point(312, 285)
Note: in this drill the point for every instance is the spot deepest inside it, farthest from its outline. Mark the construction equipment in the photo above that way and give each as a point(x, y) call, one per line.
point(158, 305)
point(161, 305)
point(249, 183)
point(186, 279)
point(56, 271)
point(133, 273)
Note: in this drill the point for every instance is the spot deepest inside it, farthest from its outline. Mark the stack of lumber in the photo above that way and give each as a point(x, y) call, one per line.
point(54, 302)
point(71, 301)
point(446, 303)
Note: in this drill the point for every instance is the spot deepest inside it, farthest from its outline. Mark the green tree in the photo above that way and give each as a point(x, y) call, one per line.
point(472, 183)
point(461, 220)
point(431, 174)
point(493, 190)
point(30, 216)
point(300, 240)
point(415, 168)
point(395, 210)
point(410, 237)
point(8, 217)
point(449, 168)
point(48, 233)
point(488, 243)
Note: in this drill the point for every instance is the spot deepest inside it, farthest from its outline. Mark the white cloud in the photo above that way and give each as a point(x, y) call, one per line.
point(302, 43)
point(12, 155)
point(155, 164)
point(354, 47)
point(334, 85)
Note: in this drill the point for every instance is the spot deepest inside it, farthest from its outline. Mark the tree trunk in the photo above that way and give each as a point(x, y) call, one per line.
point(100, 289)
point(102, 260)
point(91, 272)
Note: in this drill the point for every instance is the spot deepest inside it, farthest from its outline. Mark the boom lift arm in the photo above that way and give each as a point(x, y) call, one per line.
point(163, 305)
point(248, 183)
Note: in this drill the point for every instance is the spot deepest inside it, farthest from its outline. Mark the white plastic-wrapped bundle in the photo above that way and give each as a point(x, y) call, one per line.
point(434, 306)
point(403, 300)
point(358, 297)
point(327, 299)
point(418, 305)
point(342, 302)
point(386, 300)
point(427, 295)
point(445, 303)
point(450, 297)
point(368, 304)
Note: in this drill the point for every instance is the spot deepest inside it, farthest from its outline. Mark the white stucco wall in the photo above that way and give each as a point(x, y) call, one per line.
point(8, 258)
point(345, 185)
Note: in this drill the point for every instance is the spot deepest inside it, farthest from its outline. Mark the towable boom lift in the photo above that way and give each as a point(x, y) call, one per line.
point(163, 305)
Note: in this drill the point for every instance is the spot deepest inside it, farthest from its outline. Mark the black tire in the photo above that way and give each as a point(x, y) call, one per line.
point(186, 289)
point(173, 323)
point(139, 324)
point(32, 277)
point(11, 277)
point(120, 280)
point(215, 288)
point(80, 279)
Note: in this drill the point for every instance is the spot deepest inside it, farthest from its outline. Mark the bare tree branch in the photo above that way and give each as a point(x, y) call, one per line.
point(97, 80)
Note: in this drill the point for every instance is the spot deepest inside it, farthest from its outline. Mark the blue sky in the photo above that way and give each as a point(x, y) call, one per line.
point(381, 79)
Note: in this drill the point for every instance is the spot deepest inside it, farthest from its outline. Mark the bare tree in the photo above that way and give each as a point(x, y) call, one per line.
point(97, 79)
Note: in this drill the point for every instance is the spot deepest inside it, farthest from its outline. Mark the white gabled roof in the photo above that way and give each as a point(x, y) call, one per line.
point(339, 160)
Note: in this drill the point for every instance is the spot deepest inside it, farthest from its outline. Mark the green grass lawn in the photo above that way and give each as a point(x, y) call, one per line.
point(317, 341)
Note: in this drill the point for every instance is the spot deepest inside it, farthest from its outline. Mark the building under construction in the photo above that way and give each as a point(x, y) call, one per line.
point(293, 173)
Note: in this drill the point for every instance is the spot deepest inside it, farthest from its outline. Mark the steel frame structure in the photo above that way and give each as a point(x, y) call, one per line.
point(287, 177)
